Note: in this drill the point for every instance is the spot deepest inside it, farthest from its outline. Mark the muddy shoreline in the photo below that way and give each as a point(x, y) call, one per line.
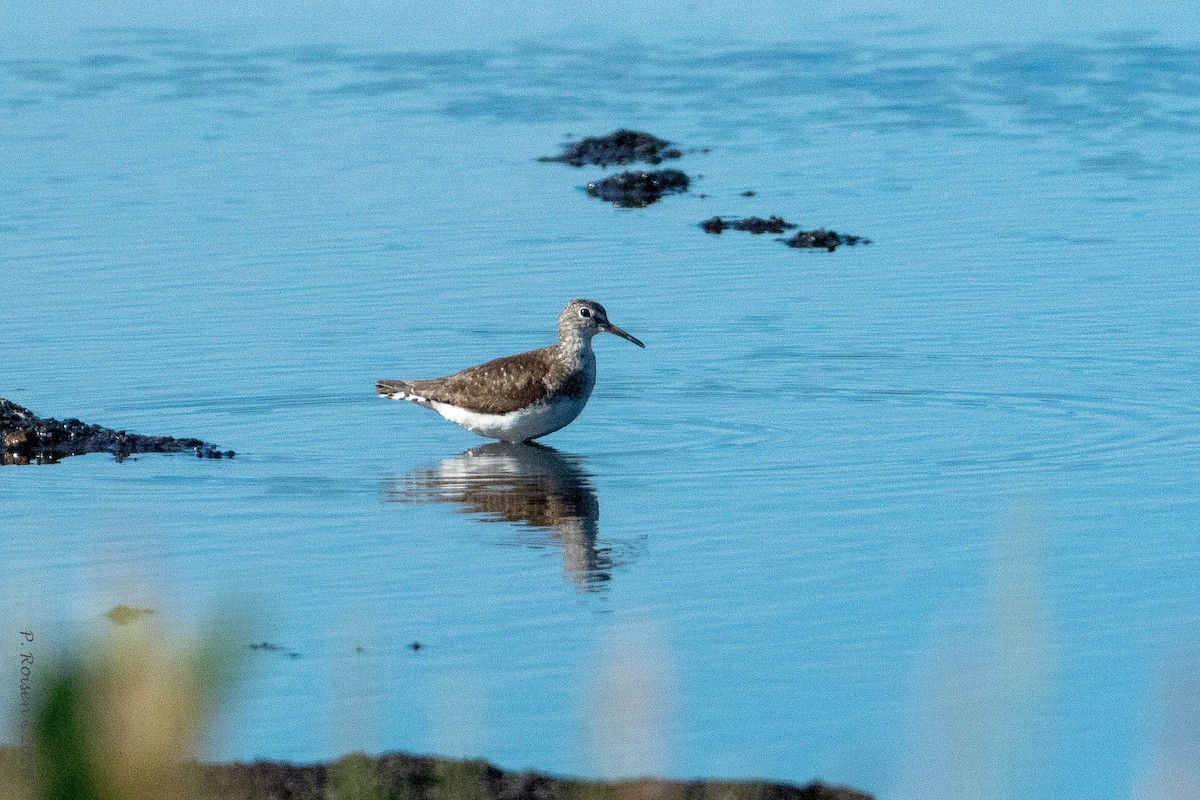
point(410, 777)
point(26, 438)
point(399, 775)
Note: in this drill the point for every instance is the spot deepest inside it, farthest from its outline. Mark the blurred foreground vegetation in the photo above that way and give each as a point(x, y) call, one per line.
point(121, 720)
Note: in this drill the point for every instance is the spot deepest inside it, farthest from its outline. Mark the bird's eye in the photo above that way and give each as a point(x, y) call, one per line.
point(585, 312)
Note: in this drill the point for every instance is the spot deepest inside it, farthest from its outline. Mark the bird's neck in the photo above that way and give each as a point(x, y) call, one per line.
point(575, 349)
point(575, 343)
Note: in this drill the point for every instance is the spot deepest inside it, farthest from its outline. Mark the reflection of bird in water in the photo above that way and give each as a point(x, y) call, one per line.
point(526, 485)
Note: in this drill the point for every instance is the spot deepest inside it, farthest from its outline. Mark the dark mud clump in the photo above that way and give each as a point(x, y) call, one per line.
point(821, 238)
point(638, 189)
point(755, 225)
point(618, 147)
point(424, 778)
point(27, 438)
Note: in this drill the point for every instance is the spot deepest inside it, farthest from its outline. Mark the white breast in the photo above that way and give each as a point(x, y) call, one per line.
point(527, 423)
point(516, 426)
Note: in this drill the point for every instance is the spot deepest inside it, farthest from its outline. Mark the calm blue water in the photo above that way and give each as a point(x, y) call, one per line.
point(921, 517)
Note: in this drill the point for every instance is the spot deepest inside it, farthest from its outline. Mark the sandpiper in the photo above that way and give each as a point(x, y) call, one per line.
point(521, 397)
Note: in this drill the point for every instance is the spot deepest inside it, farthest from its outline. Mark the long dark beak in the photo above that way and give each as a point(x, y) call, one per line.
point(614, 329)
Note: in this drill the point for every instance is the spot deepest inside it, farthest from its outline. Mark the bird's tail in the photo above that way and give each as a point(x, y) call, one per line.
point(400, 390)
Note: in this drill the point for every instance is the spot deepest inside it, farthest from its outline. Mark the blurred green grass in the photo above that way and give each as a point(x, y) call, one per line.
point(120, 718)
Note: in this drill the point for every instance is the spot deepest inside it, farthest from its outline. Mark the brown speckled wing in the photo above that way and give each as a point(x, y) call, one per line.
point(500, 386)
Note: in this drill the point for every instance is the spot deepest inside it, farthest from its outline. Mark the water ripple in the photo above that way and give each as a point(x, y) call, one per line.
point(1103, 95)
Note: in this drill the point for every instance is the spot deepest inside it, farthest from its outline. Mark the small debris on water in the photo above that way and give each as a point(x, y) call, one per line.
point(271, 647)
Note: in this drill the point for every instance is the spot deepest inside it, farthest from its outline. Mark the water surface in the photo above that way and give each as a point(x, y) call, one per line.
point(918, 517)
